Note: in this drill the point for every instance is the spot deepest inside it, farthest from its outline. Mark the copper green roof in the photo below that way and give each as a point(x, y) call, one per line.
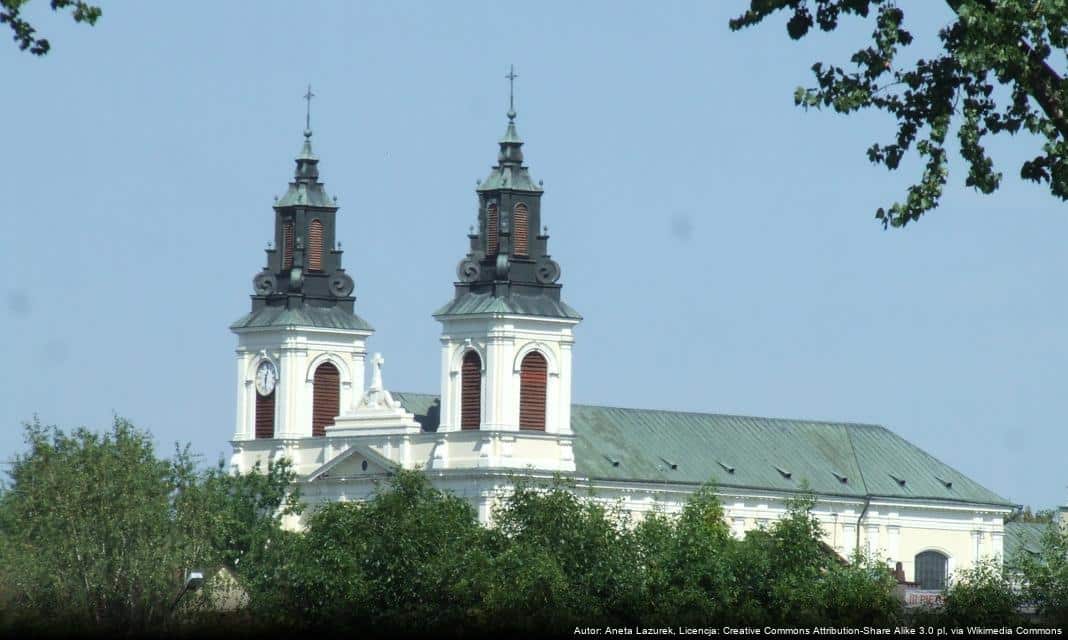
point(306, 316)
point(1024, 537)
point(510, 172)
point(306, 190)
point(302, 194)
point(506, 177)
point(850, 460)
point(516, 304)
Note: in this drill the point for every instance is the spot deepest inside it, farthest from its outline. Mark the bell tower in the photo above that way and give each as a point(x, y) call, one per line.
point(301, 349)
point(507, 335)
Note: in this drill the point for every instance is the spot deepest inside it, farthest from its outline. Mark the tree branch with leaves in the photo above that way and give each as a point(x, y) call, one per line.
point(995, 74)
point(25, 33)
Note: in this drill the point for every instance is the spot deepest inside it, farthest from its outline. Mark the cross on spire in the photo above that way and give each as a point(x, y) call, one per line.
point(307, 117)
point(511, 91)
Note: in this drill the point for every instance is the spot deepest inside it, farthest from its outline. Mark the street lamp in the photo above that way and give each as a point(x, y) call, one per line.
point(193, 581)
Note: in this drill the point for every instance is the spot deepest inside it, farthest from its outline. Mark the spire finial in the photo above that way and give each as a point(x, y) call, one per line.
point(511, 91)
point(307, 116)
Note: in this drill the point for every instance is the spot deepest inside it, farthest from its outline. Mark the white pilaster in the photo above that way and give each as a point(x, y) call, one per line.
point(738, 528)
point(562, 423)
point(295, 350)
point(502, 341)
point(352, 393)
point(871, 533)
point(501, 394)
point(977, 545)
point(245, 407)
point(893, 544)
point(849, 540)
point(449, 419)
point(294, 401)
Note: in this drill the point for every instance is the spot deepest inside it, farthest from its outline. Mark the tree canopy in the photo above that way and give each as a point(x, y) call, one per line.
point(999, 70)
point(96, 530)
point(1045, 575)
point(97, 533)
point(416, 559)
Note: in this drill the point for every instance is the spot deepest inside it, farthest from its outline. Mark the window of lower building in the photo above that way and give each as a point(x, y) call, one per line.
point(931, 568)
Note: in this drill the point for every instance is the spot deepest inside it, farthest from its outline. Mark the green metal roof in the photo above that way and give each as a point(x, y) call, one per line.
point(302, 194)
point(1024, 537)
point(515, 304)
point(425, 407)
point(517, 178)
point(510, 173)
point(306, 190)
point(852, 460)
point(306, 316)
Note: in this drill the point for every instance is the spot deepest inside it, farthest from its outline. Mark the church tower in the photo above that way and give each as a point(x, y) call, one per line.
point(301, 349)
point(507, 335)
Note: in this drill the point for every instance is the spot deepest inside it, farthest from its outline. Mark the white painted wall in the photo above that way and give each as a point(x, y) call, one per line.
point(502, 341)
point(296, 352)
point(894, 530)
point(480, 465)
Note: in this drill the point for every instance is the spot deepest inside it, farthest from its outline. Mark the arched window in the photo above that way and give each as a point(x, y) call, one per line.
point(326, 397)
point(315, 245)
point(931, 570)
point(533, 376)
point(265, 416)
point(521, 230)
point(471, 391)
point(287, 245)
point(492, 223)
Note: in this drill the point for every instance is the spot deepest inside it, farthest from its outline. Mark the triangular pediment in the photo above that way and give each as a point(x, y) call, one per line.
point(354, 462)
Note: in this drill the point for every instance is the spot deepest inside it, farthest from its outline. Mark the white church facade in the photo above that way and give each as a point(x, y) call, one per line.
point(504, 406)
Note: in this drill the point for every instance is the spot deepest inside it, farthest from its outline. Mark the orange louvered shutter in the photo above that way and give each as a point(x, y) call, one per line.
point(533, 378)
point(521, 231)
point(287, 245)
point(265, 416)
point(326, 398)
point(471, 391)
point(315, 245)
point(491, 229)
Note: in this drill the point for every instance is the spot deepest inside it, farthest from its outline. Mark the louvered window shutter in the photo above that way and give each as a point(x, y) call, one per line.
point(315, 245)
point(471, 391)
point(533, 377)
point(326, 398)
point(492, 220)
point(521, 228)
point(265, 416)
point(287, 245)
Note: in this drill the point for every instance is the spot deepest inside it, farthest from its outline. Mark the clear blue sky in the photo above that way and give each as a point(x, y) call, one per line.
point(719, 241)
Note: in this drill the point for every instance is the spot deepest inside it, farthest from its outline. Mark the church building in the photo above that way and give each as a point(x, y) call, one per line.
point(504, 406)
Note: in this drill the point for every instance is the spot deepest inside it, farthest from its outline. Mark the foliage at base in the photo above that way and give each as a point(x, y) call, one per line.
point(97, 534)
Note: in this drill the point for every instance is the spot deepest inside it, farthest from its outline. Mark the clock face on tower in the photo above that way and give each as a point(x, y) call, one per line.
point(266, 377)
